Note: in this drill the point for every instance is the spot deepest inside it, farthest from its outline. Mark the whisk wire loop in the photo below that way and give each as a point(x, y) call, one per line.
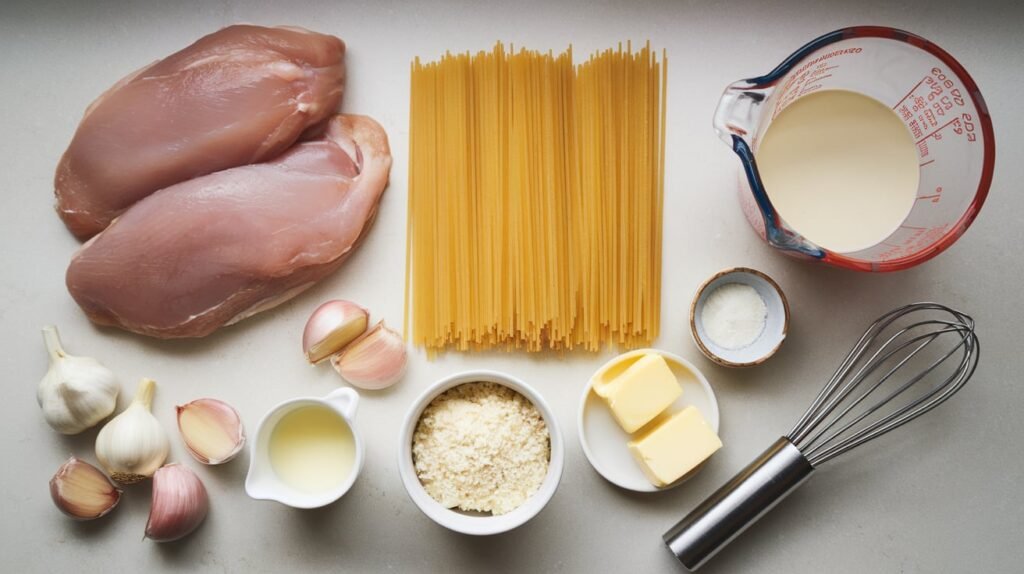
point(830, 428)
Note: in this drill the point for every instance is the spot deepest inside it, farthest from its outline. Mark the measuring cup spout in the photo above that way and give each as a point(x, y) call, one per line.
point(739, 111)
point(736, 120)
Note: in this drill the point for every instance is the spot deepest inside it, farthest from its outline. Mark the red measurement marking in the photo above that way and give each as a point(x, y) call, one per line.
point(935, 197)
point(927, 162)
point(905, 226)
point(910, 92)
point(938, 129)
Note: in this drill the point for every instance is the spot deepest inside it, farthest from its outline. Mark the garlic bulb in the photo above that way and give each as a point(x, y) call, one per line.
point(133, 444)
point(376, 361)
point(82, 491)
point(77, 392)
point(179, 504)
point(331, 327)
point(211, 429)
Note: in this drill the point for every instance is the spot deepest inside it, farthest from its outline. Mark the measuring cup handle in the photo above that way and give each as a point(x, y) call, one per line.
point(345, 400)
point(739, 111)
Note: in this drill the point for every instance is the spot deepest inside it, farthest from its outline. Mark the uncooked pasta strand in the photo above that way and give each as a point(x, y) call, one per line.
point(535, 200)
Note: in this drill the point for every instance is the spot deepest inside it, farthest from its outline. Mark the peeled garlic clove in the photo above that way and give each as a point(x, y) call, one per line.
point(211, 429)
point(76, 392)
point(332, 326)
point(376, 361)
point(133, 444)
point(82, 491)
point(179, 504)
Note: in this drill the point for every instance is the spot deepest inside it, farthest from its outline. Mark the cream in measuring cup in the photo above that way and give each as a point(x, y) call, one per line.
point(307, 452)
point(840, 168)
point(868, 148)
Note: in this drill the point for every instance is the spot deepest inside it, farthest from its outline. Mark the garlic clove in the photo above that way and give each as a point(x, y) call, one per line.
point(331, 327)
point(133, 444)
point(375, 361)
point(211, 429)
point(179, 503)
point(76, 392)
point(82, 491)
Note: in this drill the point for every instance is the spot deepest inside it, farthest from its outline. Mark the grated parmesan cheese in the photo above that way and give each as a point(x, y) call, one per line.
point(481, 447)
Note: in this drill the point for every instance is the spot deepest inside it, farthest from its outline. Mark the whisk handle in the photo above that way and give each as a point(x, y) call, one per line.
point(738, 504)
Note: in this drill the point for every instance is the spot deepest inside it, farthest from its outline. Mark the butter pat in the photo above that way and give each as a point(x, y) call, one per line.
point(641, 392)
point(674, 447)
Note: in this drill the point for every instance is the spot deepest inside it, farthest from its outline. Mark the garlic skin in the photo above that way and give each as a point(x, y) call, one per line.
point(211, 429)
point(133, 444)
point(331, 327)
point(76, 392)
point(375, 361)
point(82, 491)
point(179, 504)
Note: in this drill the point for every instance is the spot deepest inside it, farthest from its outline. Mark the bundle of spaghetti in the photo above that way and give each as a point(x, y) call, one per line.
point(535, 200)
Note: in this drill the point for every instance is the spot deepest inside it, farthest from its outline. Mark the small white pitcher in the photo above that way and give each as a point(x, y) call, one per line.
point(262, 483)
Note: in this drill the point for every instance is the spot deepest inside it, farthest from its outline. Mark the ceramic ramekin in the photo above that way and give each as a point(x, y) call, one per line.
point(467, 523)
point(776, 321)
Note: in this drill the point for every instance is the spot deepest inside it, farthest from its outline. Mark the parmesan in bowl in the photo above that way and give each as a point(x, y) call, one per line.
point(480, 453)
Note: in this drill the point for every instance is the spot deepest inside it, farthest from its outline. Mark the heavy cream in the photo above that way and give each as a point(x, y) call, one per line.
point(840, 168)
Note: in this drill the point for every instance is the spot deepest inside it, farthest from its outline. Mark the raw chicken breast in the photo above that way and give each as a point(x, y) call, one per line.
point(216, 249)
point(238, 96)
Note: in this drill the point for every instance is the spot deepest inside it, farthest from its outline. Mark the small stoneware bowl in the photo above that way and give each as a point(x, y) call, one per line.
point(776, 321)
point(476, 523)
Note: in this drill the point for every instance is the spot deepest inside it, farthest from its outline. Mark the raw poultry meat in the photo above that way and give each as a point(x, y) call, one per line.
point(241, 95)
point(216, 249)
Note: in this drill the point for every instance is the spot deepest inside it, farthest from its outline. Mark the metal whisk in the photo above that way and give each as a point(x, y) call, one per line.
point(907, 363)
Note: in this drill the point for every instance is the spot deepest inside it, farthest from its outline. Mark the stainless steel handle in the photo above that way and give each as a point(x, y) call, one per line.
point(738, 504)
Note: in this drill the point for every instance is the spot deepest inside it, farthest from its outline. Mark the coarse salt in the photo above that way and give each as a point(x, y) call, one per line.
point(734, 315)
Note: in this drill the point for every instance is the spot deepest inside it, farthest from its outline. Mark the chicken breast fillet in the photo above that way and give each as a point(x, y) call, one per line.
point(241, 95)
point(216, 249)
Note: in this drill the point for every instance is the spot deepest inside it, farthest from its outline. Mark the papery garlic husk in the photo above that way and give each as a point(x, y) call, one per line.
point(82, 491)
point(179, 504)
point(331, 327)
point(133, 444)
point(375, 361)
point(211, 429)
point(76, 392)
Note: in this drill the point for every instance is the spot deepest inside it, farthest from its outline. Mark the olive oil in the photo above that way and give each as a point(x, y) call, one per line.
point(312, 449)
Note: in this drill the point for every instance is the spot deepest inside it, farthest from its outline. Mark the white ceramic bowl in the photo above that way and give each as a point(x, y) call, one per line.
point(604, 441)
point(776, 321)
point(464, 522)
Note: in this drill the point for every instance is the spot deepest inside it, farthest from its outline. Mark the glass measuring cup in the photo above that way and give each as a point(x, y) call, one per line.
point(930, 91)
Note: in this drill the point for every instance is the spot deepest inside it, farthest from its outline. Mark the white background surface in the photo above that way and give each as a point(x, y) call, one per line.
point(943, 495)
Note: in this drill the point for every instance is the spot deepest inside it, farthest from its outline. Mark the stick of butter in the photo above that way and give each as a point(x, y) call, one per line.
point(675, 446)
point(641, 392)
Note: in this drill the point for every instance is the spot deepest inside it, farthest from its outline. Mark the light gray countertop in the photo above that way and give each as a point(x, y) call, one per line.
point(942, 495)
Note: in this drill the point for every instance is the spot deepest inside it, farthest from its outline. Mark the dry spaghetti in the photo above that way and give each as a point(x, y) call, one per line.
point(535, 200)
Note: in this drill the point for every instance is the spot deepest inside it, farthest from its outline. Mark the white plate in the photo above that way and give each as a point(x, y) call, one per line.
point(604, 441)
